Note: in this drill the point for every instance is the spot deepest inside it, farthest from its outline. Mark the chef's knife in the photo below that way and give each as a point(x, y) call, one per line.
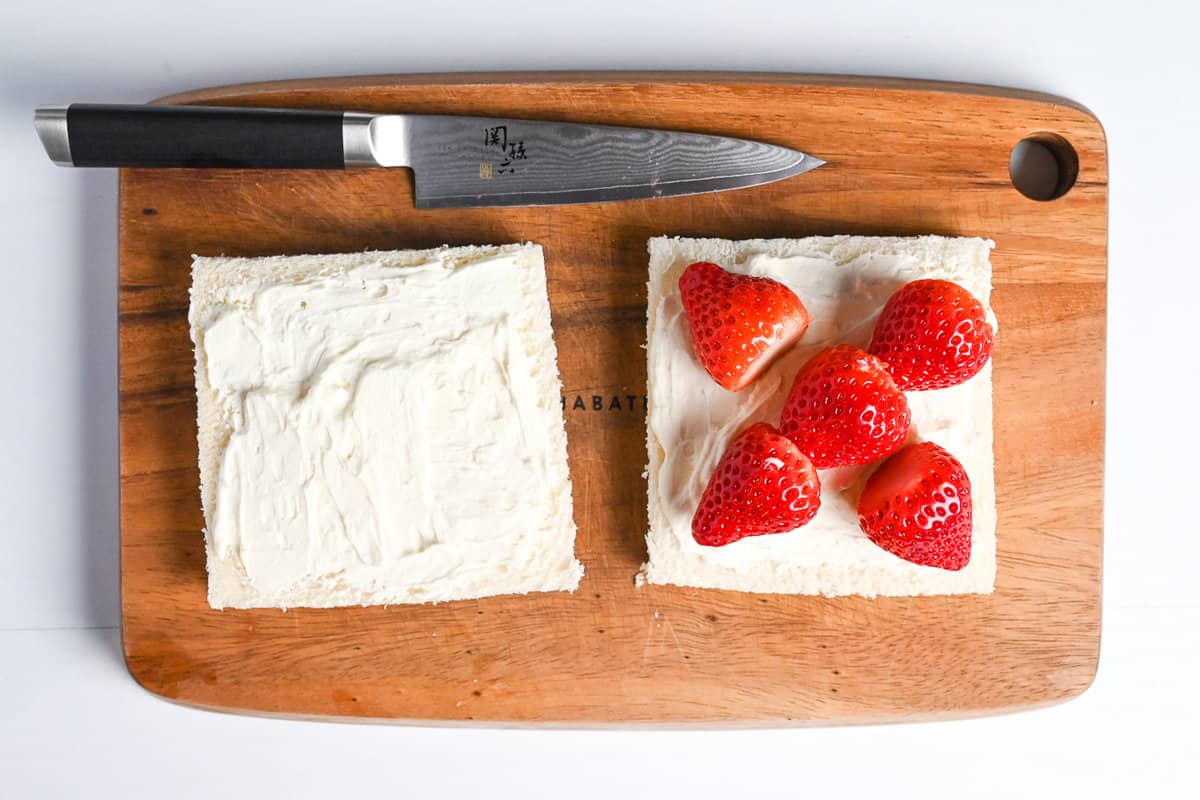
point(457, 162)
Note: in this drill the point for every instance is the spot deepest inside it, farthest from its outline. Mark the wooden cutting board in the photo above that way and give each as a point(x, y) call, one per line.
point(904, 158)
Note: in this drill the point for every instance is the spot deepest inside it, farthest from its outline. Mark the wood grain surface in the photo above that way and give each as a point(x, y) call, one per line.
point(904, 158)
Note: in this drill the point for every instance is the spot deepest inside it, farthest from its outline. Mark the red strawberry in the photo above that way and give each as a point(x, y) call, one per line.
point(739, 323)
point(918, 506)
point(845, 409)
point(932, 334)
point(763, 484)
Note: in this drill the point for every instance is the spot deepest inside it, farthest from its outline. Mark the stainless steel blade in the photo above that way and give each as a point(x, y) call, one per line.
point(475, 161)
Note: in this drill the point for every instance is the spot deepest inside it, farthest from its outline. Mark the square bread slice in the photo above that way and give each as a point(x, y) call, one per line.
point(844, 282)
point(380, 427)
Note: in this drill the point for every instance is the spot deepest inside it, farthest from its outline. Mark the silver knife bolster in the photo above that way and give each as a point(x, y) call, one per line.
point(373, 140)
point(51, 125)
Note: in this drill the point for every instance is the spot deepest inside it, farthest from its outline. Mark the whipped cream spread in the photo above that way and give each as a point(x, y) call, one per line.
point(844, 283)
point(393, 433)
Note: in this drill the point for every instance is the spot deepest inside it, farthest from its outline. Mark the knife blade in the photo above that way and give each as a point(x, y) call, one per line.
point(457, 161)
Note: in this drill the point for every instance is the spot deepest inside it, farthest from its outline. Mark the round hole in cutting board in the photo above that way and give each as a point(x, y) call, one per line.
point(1043, 166)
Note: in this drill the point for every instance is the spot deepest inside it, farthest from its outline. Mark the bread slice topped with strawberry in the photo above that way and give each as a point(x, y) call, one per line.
point(820, 415)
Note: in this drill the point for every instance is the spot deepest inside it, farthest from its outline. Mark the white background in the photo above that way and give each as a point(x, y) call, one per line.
point(73, 724)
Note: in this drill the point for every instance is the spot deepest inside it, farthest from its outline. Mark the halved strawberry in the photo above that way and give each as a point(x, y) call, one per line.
point(762, 484)
point(932, 334)
point(918, 506)
point(845, 409)
point(739, 323)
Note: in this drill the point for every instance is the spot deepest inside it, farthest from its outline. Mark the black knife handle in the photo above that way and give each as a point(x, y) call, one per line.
point(203, 136)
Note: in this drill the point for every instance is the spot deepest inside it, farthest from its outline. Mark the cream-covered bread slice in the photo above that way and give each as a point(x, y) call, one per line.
point(844, 282)
point(380, 427)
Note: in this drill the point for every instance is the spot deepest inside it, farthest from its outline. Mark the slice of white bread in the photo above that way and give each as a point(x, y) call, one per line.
point(380, 427)
point(844, 282)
